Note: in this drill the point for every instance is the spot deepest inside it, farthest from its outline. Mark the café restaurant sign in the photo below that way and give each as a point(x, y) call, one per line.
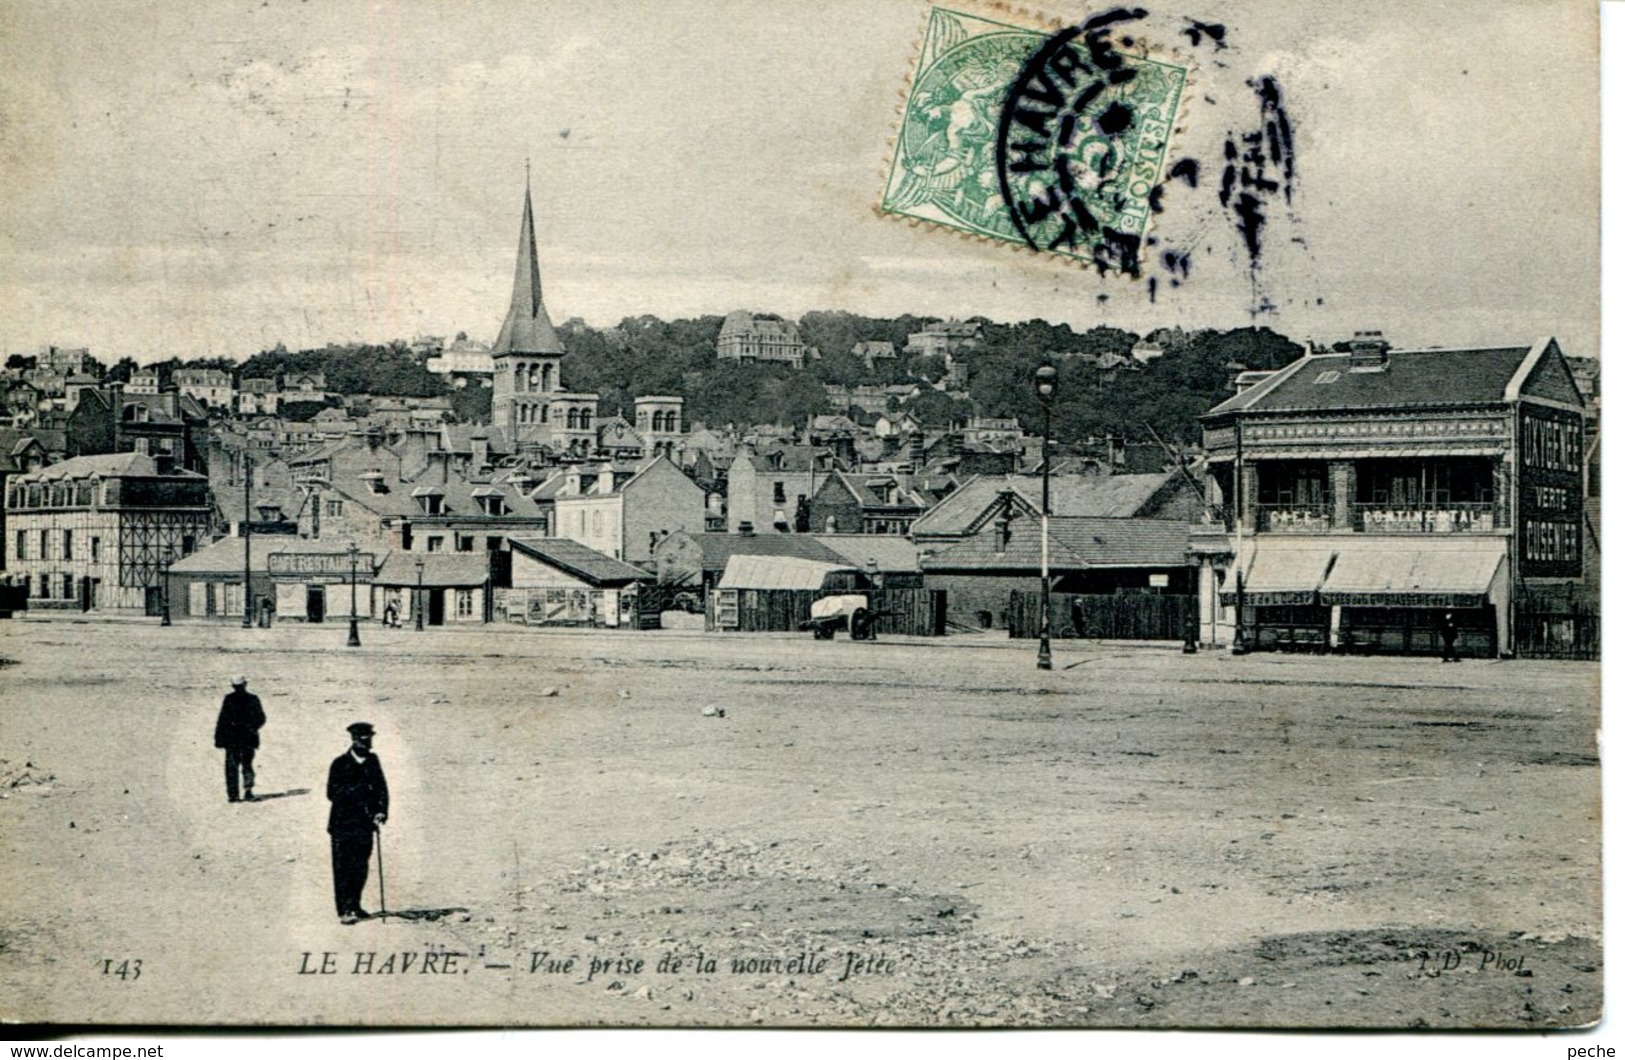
point(318, 564)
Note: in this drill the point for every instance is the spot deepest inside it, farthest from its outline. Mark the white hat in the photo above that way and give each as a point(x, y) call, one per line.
point(239, 681)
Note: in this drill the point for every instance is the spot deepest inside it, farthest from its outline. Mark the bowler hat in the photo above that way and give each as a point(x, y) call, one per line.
point(360, 728)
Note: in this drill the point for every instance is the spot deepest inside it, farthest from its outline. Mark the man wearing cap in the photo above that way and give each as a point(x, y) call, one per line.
point(360, 798)
point(237, 732)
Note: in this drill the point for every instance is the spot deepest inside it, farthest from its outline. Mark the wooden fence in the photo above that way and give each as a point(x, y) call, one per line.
point(1121, 616)
point(905, 612)
point(1558, 635)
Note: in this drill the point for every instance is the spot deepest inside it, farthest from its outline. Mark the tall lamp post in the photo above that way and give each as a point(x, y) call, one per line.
point(168, 559)
point(1044, 384)
point(355, 633)
point(417, 601)
point(248, 530)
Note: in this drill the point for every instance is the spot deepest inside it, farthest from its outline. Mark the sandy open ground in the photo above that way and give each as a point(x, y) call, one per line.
point(897, 833)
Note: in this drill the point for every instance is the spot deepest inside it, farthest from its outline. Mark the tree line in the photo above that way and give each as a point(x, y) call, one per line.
point(647, 355)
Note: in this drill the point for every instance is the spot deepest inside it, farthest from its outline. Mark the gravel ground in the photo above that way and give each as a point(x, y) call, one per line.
point(904, 833)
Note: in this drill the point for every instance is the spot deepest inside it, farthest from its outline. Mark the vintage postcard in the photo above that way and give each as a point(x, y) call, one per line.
point(828, 514)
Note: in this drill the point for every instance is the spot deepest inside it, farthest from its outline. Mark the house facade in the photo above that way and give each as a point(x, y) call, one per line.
point(767, 490)
point(95, 532)
point(745, 337)
point(1359, 497)
point(624, 511)
point(210, 386)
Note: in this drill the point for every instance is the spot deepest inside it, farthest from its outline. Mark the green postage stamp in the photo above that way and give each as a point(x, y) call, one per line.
point(1052, 139)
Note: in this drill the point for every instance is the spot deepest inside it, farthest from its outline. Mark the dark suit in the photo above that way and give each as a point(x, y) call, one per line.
point(237, 731)
point(358, 793)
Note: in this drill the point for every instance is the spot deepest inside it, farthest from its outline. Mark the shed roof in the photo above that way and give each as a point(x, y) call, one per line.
point(1113, 496)
point(777, 572)
point(1076, 543)
point(579, 561)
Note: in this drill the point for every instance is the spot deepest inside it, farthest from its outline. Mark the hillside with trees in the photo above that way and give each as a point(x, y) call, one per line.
point(647, 355)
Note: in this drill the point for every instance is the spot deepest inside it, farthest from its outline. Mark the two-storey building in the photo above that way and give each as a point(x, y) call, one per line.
point(1358, 498)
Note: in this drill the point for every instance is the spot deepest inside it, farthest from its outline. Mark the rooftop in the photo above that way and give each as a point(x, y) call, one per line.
point(1410, 378)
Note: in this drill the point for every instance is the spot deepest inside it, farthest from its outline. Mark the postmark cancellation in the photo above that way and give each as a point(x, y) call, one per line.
point(1050, 136)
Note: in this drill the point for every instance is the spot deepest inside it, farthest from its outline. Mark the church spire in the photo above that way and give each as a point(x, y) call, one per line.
point(527, 329)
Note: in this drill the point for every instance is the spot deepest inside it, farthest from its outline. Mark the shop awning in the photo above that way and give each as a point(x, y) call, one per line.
point(1406, 578)
point(1283, 577)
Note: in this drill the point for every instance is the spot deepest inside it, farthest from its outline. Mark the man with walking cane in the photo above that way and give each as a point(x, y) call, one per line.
point(360, 798)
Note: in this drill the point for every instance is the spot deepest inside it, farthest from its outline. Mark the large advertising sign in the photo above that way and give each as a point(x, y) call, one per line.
point(1551, 454)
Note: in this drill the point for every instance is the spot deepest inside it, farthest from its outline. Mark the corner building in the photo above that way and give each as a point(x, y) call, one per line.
point(1355, 498)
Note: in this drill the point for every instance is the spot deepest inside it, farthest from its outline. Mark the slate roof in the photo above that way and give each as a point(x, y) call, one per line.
point(716, 548)
point(794, 458)
point(440, 569)
point(1114, 496)
point(1412, 378)
point(1076, 543)
point(579, 561)
point(109, 465)
point(226, 555)
point(890, 552)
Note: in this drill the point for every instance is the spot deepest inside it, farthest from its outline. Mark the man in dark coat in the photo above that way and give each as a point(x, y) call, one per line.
point(360, 798)
point(237, 732)
point(1447, 636)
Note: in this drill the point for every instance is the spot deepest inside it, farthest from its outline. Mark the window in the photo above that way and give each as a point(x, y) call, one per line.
point(493, 544)
point(335, 508)
point(435, 543)
point(465, 542)
point(22, 544)
point(465, 603)
point(1328, 376)
point(597, 523)
point(67, 544)
point(95, 550)
point(778, 493)
point(67, 587)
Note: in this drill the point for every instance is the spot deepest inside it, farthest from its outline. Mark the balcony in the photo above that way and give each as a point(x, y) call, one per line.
point(1468, 518)
point(1294, 518)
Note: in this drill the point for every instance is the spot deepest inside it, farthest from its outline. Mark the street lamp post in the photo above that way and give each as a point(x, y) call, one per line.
point(1044, 383)
point(165, 621)
point(417, 601)
point(355, 633)
point(248, 530)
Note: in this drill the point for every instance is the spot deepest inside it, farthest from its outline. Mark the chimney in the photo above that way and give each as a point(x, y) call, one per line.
point(163, 463)
point(115, 401)
point(480, 443)
point(916, 450)
point(1368, 352)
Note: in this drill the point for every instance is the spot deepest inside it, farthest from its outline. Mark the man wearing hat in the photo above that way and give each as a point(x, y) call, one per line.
point(237, 732)
point(360, 798)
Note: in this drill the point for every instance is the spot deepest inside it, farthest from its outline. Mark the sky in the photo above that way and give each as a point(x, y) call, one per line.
point(212, 179)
